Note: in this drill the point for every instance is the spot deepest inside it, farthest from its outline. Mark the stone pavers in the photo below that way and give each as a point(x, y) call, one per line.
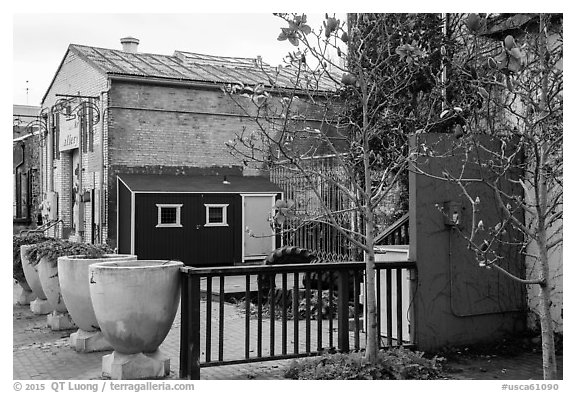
point(41, 354)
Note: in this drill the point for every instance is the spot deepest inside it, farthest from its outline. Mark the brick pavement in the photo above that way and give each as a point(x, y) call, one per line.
point(41, 354)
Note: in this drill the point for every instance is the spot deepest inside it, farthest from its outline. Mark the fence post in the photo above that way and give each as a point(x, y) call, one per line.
point(190, 327)
point(343, 326)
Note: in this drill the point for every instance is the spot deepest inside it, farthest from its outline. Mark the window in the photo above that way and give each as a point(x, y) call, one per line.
point(216, 215)
point(168, 215)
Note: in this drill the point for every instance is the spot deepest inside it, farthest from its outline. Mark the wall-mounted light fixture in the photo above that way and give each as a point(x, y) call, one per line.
point(452, 213)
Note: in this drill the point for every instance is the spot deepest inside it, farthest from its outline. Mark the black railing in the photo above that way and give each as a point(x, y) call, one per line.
point(395, 234)
point(41, 229)
point(282, 312)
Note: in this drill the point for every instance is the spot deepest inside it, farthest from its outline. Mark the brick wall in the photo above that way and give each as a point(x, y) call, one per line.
point(75, 77)
point(170, 130)
point(163, 125)
point(144, 127)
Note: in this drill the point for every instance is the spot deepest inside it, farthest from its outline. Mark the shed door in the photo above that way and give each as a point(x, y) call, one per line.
point(259, 239)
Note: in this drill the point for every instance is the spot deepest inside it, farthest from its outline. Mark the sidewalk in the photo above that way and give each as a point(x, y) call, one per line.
point(42, 354)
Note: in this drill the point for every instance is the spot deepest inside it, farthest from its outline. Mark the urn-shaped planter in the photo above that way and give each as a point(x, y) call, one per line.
point(135, 304)
point(48, 273)
point(41, 304)
point(25, 294)
point(75, 288)
point(31, 273)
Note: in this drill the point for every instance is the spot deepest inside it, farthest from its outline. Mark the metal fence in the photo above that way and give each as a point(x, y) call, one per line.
point(283, 311)
point(309, 193)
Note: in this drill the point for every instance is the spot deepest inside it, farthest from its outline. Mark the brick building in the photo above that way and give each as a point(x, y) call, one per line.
point(121, 112)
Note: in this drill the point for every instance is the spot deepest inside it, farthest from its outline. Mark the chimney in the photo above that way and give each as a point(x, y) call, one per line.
point(129, 44)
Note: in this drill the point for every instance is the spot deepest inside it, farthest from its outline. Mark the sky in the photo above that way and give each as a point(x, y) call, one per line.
point(41, 40)
point(41, 31)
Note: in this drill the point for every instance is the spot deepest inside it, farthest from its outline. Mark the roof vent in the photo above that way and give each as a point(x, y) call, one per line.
point(129, 44)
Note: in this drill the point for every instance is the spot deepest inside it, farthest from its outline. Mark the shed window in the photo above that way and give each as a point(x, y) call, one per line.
point(216, 215)
point(168, 215)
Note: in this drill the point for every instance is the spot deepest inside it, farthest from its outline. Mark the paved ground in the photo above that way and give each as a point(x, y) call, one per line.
point(42, 354)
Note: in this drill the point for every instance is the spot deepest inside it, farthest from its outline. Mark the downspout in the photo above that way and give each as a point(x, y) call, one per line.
point(50, 152)
point(83, 127)
point(102, 199)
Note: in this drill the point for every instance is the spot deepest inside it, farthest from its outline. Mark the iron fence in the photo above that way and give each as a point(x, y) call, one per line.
point(283, 311)
point(310, 193)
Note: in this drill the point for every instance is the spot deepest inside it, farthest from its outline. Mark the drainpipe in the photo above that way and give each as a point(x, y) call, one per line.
point(102, 206)
point(50, 152)
point(80, 230)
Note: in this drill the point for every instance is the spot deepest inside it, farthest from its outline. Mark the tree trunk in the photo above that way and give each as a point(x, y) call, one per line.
point(549, 367)
point(372, 339)
point(548, 351)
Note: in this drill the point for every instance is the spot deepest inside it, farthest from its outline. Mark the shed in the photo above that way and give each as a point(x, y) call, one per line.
point(199, 220)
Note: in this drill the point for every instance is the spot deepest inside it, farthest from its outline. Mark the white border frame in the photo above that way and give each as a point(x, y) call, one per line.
point(224, 207)
point(178, 207)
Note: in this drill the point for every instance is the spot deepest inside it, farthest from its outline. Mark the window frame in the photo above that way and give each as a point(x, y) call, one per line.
point(178, 207)
point(224, 207)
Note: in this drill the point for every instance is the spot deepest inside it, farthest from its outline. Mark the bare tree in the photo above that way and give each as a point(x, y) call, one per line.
point(509, 89)
point(353, 95)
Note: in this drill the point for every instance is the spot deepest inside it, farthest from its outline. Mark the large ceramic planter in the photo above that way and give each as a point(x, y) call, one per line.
point(75, 288)
point(41, 304)
point(73, 277)
point(135, 304)
point(25, 294)
point(31, 273)
point(48, 273)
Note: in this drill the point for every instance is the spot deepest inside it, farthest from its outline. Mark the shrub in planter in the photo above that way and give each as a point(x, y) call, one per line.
point(17, 241)
point(45, 256)
point(54, 248)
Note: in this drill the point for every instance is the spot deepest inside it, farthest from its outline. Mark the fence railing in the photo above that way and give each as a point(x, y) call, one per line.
point(395, 234)
point(283, 311)
point(41, 229)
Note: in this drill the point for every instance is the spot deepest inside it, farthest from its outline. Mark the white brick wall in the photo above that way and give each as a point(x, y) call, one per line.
point(75, 77)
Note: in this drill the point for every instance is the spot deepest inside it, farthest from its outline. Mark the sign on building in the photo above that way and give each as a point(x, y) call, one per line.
point(69, 133)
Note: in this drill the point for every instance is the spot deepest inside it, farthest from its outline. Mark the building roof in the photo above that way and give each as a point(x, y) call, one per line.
point(194, 67)
point(24, 121)
point(198, 184)
point(25, 110)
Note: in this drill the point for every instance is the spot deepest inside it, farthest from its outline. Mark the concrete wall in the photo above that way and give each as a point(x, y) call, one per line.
point(456, 302)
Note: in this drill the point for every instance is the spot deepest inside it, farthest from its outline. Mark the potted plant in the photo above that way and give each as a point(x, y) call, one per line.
point(45, 255)
point(26, 294)
point(30, 267)
point(73, 277)
point(135, 304)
